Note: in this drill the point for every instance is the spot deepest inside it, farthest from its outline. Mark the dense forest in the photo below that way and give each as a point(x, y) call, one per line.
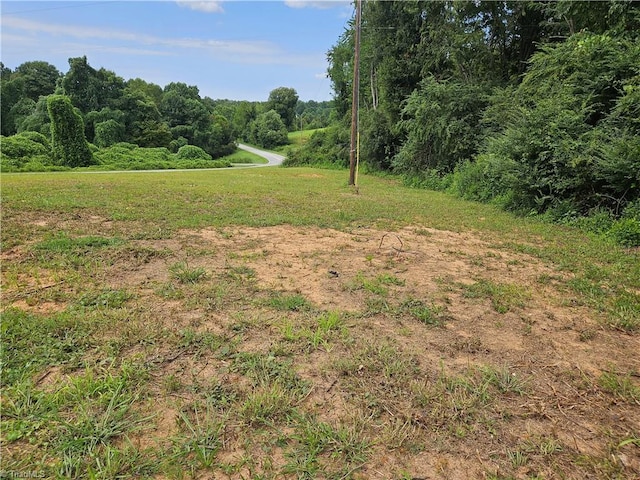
point(91, 116)
point(532, 105)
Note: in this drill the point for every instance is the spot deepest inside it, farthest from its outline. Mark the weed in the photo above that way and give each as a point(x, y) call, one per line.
point(517, 458)
point(621, 386)
point(398, 432)
point(31, 342)
point(316, 442)
point(265, 370)
point(503, 296)
point(106, 298)
point(504, 380)
point(202, 435)
point(292, 303)
point(266, 404)
point(377, 285)
point(25, 410)
point(427, 314)
point(182, 272)
point(62, 243)
point(328, 326)
point(172, 384)
point(102, 414)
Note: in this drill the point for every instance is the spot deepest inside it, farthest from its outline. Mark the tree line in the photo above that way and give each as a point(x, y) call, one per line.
point(112, 111)
point(534, 106)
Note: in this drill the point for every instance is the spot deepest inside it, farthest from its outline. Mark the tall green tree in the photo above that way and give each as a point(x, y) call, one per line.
point(38, 79)
point(268, 130)
point(283, 100)
point(91, 89)
point(68, 144)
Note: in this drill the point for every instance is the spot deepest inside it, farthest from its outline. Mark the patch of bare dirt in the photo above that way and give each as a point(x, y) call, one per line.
point(552, 343)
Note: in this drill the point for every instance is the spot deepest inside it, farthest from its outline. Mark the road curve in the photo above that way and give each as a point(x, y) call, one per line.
point(273, 159)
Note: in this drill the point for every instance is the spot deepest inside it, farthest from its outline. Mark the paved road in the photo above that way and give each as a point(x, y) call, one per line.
point(273, 159)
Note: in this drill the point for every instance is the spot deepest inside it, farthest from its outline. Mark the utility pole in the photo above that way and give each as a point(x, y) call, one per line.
point(355, 97)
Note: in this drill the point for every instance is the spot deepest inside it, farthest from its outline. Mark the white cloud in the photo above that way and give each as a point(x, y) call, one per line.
point(19, 31)
point(322, 4)
point(208, 6)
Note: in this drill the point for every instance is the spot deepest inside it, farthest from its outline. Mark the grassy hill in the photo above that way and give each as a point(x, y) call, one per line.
point(274, 323)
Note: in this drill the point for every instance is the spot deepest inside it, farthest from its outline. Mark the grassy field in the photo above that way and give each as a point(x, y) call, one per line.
point(299, 137)
point(274, 323)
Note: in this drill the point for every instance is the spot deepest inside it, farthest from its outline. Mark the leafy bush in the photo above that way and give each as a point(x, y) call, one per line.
point(268, 130)
point(37, 137)
point(568, 133)
point(328, 148)
point(191, 152)
point(441, 123)
point(175, 145)
point(20, 146)
point(20, 150)
point(626, 231)
point(490, 178)
point(109, 133)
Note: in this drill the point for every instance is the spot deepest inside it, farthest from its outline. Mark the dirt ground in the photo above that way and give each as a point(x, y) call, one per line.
point(492, 308)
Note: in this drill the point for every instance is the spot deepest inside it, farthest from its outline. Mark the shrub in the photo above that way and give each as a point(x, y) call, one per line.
point(328, 148)
point(268, 130)
point(20, 146)
point(37, 137)
point(175, 145)
point(626, 232)
point(191, 152)
point(18, 150)
point(108, 133)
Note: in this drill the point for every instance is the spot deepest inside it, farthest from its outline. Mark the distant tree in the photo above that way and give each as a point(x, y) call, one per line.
point(19, 111)
point(109, 133)
point(10, 93)
point(244, 114)
point(39, 79)
point(268, 130)
point(91, 89)
point(151, 90)
point(284, 100)
point(38, 120)
point(68, 143)
point(144, 124)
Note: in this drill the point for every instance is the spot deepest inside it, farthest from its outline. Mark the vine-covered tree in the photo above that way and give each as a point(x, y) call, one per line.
point(68, 144)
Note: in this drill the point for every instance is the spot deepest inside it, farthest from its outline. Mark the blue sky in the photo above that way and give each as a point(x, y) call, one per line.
point(233, 49)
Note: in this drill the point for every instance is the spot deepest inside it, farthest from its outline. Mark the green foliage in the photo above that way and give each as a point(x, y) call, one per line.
point(90, 89)
point(182, 272)
point(441, 123)
point(626, 231)
point(69, 146)
point(38, 120)
point(21, 152)
point(328, 148)
point(283, 100)
point(268, 130)
point(562, 149)
point(38, 79)
point(108, 133)
point(191, 152)
point(32, 342)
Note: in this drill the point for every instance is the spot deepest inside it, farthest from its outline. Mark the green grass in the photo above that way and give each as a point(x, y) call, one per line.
point(122, 361)
point(242, 157)
point(300, 137)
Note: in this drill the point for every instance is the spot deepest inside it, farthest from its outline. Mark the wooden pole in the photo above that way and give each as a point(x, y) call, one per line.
point(355, 97)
